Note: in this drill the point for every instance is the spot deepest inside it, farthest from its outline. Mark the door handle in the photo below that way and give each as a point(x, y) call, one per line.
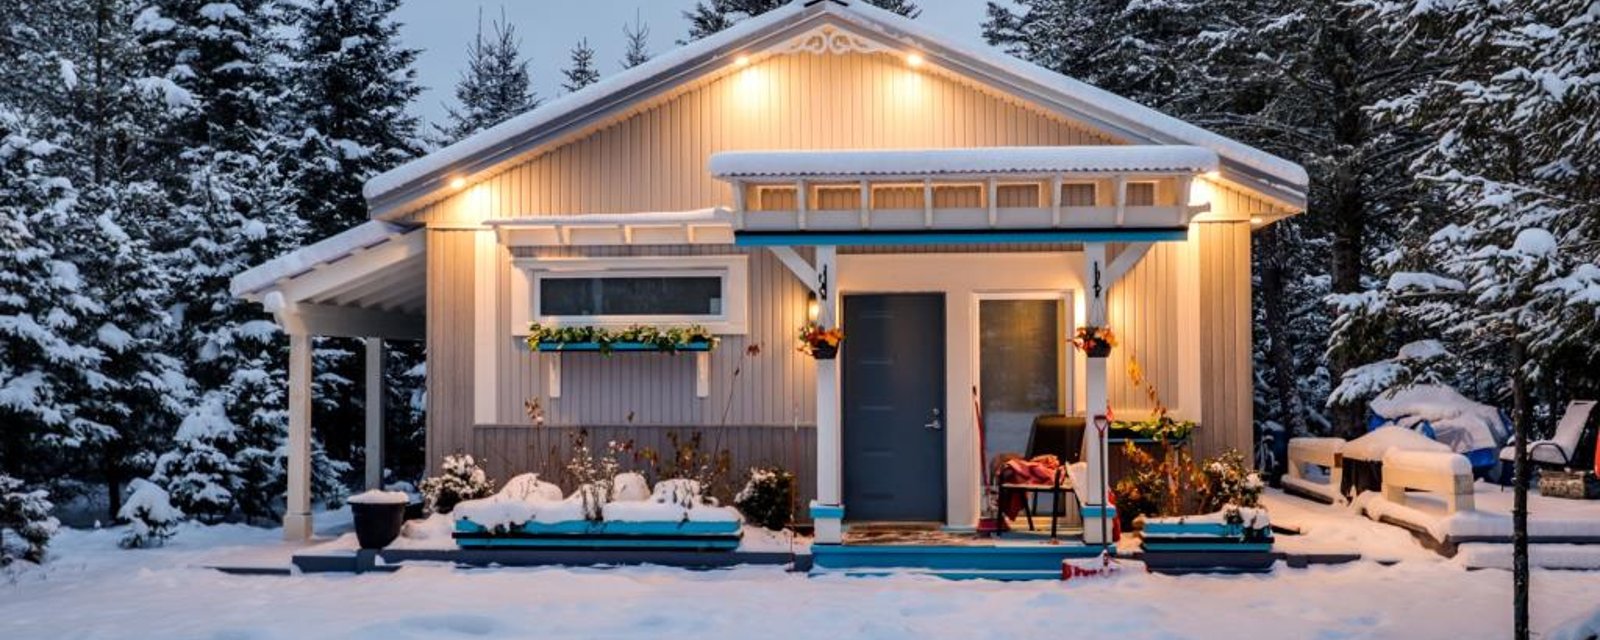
point(933, 423)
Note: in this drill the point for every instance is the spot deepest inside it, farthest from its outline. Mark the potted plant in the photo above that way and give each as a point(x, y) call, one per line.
point(1204, 517)
point(1094, 341)
point(820, 343)
point(378, 517)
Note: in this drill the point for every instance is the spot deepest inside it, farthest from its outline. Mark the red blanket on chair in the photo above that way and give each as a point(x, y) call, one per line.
point(1040, 470)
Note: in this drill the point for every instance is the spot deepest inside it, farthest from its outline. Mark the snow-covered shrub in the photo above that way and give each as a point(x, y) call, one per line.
point(27, 515)
point(767, 498)
point(680, 491)
point(629, 487)
point(691, 459)
point(594, 477)
point(529, 487)
point(460, 478)
point(150, 515)
point(199, 474)
point(1228, 480)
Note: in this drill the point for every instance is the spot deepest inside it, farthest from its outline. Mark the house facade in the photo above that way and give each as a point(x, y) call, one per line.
point(957, 212)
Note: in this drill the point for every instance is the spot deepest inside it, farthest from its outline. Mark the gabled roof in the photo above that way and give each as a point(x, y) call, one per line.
point(428, 178)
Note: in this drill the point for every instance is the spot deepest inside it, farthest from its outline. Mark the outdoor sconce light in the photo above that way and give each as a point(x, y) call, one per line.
point(813, 309)
point(915, 60)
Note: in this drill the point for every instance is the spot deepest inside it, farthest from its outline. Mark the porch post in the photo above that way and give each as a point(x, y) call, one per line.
point(297, 513)
point(1095, 511)
point(375, 357)
point(827, 513)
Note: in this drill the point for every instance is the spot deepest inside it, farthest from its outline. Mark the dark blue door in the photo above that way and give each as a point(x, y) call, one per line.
point(894, 407)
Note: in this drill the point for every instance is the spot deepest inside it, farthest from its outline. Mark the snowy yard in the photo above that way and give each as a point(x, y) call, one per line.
point(93, 590)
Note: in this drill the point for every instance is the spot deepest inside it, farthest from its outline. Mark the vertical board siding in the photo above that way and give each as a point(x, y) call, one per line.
point(654, 159)
point(1142, 308)
point(449, 333)
point(1226, 367)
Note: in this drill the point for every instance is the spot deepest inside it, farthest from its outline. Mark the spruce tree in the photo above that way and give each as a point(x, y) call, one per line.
point(637, 36)
point(581, 72)
point(710, 16)
point(495, 86)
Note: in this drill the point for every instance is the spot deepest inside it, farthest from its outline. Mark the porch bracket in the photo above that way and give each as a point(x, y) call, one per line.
point(1125, 261)
point(796, 265)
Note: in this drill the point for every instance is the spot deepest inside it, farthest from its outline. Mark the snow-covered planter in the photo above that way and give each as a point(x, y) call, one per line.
point(378, 516)
point(1234, 539)
point(674, 515)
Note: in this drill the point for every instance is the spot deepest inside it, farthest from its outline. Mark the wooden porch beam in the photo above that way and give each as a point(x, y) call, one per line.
point(1125, 261)
point(796, 265)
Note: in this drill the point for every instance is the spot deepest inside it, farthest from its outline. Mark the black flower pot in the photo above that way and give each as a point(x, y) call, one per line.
point(377, 525)
point(1098, 349)
point(824, 351)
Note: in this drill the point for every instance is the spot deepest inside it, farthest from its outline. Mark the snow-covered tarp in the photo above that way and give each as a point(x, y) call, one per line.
point(986, 160)
point(1459, 423)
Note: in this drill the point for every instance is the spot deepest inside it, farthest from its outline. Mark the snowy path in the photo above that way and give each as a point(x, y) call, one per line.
point(93, 590)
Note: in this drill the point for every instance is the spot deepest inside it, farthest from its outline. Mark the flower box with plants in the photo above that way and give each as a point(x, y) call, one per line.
point(1095, 342)
point(820, 343)
point(1159, 429)
point(610, 508)
point(606, 341)
point(1195, 517)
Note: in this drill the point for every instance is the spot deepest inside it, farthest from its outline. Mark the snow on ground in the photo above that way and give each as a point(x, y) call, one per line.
point(1492, 514)
point(91, 589)
point(1329, 529)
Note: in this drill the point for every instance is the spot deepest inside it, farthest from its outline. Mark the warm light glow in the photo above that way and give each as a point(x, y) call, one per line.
point(914, 59)
point(1256, 221)
point(742, 60)
point(1213, 175)
point(813, 309)
point(458, 182)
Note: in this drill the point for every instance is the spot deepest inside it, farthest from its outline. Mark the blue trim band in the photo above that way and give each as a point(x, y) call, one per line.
point(976, 236)
point(1098, 511)
point(834, 512)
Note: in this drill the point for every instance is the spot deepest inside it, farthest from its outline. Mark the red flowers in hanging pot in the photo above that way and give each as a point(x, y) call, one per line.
point(1094, 341)
point(820, 343)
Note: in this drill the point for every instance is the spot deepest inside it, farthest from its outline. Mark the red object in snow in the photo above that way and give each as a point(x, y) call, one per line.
point(1097, 567)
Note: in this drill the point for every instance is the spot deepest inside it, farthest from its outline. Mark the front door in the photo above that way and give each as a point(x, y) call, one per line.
point(894, 407)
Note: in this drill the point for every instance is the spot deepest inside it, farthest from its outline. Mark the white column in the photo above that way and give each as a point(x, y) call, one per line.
point(375, 354)
point(1095, 512)
point(827, 513)
point(297, 514)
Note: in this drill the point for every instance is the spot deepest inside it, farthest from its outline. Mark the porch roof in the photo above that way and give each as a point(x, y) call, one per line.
point(367, 281)
point(964, 162)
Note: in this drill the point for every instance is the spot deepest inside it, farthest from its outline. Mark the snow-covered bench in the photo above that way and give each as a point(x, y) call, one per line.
point(1315, 452)
point(1446, 473)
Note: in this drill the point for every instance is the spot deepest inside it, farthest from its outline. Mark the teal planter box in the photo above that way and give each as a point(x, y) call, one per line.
point(620, 347)
point(1206, 547)
point(602, 535)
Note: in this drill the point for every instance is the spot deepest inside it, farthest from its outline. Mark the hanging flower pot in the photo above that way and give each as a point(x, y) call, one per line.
point(1096, 342)
point(819, 343)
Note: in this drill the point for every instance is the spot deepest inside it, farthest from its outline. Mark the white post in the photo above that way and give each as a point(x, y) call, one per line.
point(297, 514)
point(827, 513)
point(1096, 528)
point(375, 349)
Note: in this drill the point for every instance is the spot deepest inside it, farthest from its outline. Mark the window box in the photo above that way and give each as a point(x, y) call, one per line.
point(621, 347)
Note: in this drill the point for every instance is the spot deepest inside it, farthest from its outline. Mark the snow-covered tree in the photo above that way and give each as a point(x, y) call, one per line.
point(580, 71)
point(637, 36)
point(710, 16)
point(495, 86)
point(150, 515)
point(25, 513)
point(198, 472)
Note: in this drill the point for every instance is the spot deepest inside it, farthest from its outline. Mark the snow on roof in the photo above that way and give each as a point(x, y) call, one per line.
point(1099, 104)
point(732, 164)
point(506, 132)
point(363, 236)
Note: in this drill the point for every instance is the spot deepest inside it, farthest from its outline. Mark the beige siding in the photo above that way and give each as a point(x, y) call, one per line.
point(450, 304)
point(1142, 309)
point(1225, 364)
point(655, 159)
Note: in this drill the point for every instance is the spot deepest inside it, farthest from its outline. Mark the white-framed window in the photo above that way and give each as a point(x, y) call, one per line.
point(1141, 194)
point(711, 291)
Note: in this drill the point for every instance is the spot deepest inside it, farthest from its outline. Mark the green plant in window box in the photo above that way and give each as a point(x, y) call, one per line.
point(669, 339)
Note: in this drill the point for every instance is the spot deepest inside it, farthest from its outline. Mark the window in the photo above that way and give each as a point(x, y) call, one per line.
point(1078, 194)
point(1141, 194)
point(646, 290)
point(1021, 366)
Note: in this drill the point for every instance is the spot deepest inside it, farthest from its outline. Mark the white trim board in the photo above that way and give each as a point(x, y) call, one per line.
point(734, 269)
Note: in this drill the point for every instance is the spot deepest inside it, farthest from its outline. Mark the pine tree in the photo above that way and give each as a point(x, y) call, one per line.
point(710, 16)
point(637, 36)
point(26, 513)
point(495, 86)
point(581, 72)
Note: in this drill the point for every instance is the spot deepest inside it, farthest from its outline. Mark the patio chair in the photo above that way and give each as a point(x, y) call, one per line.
point(1062, 437)
point(1571, 447)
